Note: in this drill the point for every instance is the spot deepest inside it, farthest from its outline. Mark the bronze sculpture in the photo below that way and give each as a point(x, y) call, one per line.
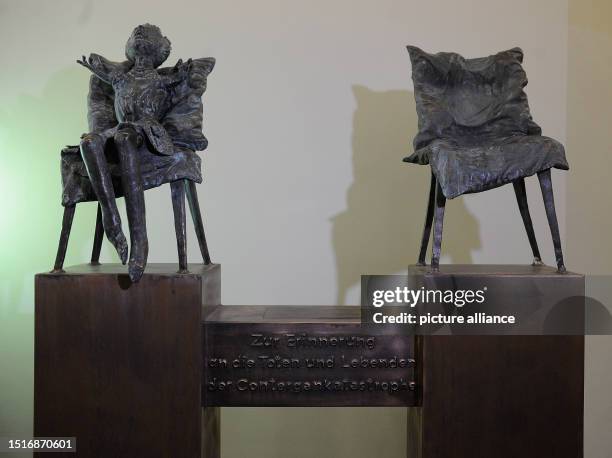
point(145, 127)
point(476, 133)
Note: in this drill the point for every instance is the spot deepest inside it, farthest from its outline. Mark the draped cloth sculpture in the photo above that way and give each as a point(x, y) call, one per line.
point(145, 127)
point(476, 133)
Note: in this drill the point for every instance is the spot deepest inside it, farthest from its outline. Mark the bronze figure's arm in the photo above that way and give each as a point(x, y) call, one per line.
point(179, 73)
point(101, 67)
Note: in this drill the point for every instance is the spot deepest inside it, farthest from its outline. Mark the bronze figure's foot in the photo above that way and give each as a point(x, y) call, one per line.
point(135, 271)
point(118, 240)
point(138, 260)
point(561, 269)
point(537, 262)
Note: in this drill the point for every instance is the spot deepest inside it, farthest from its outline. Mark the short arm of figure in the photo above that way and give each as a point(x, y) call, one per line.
point(178, 73)
point(99, 66)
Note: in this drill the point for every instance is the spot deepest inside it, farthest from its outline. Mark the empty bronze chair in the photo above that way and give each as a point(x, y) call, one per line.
point(476, 133)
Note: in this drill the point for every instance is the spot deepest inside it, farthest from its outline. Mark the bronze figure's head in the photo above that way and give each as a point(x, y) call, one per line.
point(147, 41)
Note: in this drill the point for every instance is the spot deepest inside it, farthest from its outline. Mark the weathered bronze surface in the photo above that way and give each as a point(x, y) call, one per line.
point(145, 126)
point(303, 356)
point(476, 133)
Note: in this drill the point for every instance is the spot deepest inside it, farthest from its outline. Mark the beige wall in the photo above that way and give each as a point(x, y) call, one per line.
point(308, 112)
point(589, 223)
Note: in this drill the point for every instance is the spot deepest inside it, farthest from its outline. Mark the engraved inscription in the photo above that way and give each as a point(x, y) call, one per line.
point(307, 364)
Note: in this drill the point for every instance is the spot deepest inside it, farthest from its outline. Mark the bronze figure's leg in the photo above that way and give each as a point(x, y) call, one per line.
point(521, 198)
point(63, 241)
point(92, 151)
point(99, 233)
point(428, 221)
point(194, 208)
point(178, 206)
point(127, 142)
point(438, 224)
point(551, 214)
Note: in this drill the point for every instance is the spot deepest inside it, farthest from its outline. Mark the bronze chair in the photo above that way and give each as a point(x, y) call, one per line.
point(181, 169)
point(476, 133)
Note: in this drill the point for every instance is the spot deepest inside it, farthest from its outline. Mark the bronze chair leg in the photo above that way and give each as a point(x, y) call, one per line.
point(196, 215)
point(521, 198)
point(549, 204)
point(63, 241)
point(178, 206)
point(438, 224)
point(98, 235)
point(428, 221)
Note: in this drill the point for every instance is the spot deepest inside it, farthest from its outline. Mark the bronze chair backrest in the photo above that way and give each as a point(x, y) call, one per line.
point(469, 99)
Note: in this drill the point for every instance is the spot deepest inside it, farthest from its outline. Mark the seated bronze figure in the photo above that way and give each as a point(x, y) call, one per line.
point(476, 133)
point(145, 127)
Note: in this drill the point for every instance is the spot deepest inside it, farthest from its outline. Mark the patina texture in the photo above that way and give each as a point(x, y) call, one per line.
point(476, 133)
point(145, 127)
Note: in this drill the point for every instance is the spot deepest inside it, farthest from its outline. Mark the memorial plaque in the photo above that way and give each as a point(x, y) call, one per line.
point(303, 356)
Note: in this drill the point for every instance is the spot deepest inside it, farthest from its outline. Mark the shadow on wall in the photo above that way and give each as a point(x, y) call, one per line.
point(33, 129)
point(380, 231)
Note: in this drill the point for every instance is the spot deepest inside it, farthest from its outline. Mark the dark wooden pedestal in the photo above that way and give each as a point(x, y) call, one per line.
point(119, 365)
point(142, 370)
point(502, 396)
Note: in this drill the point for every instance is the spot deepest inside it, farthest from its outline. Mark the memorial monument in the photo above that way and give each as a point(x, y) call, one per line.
point(139, 363)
